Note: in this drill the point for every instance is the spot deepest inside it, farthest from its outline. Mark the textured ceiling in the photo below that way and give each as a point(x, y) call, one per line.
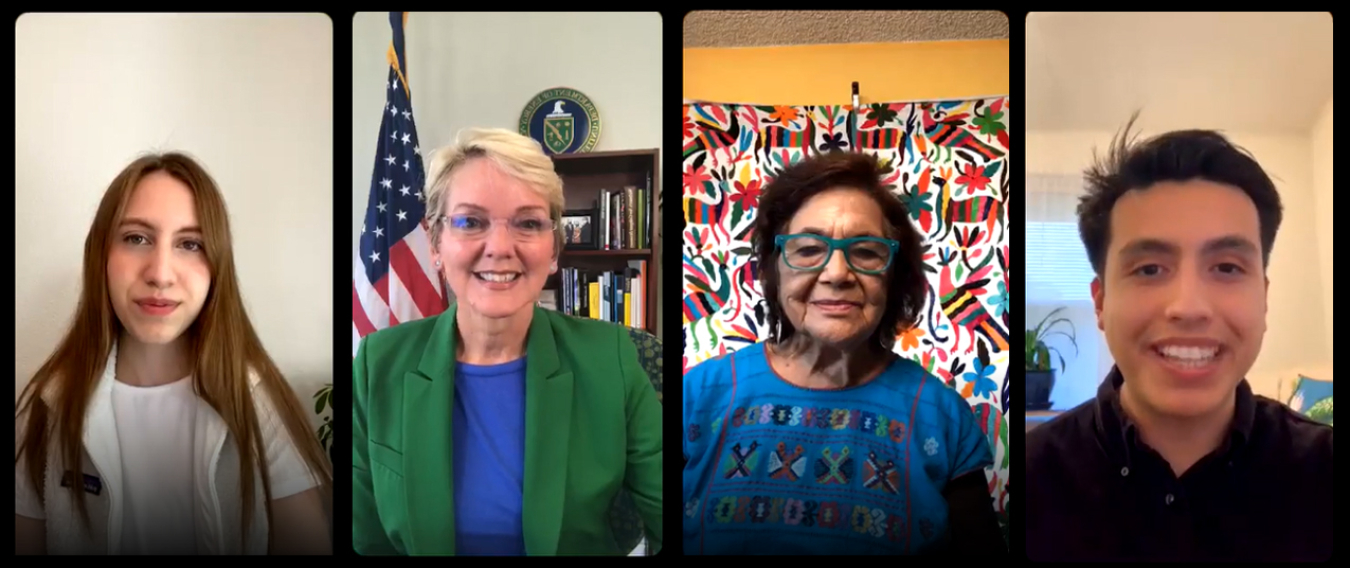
point(754, 29)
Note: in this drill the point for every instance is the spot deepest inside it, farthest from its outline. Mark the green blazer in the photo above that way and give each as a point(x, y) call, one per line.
point(592, 423)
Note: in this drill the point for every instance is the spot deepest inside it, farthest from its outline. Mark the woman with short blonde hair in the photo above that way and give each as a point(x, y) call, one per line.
point(529, 424)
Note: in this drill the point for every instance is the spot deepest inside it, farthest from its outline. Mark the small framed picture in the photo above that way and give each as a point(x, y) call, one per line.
point(578, 229)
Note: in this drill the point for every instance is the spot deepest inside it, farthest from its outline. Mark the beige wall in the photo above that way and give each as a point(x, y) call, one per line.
point(1321, 186)
point(1298, 335)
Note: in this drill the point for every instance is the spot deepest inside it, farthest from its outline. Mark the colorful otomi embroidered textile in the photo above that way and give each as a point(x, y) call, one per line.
point(946, 160)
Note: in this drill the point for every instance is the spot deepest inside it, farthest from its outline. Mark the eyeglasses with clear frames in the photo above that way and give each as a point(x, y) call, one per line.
point(523, 227)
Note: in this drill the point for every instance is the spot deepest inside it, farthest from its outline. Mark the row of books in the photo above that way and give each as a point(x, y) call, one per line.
point(612, 296)
point(625, 219)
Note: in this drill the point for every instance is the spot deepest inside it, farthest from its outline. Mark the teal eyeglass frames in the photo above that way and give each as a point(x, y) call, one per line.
point(808, 252)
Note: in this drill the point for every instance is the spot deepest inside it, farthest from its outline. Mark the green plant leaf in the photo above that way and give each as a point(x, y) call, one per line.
point(326, 434)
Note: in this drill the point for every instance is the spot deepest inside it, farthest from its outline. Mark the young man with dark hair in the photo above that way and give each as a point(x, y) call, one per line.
point(1176, 459)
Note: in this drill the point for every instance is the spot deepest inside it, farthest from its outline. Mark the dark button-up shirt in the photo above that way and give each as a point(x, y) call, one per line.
point(1096, 491)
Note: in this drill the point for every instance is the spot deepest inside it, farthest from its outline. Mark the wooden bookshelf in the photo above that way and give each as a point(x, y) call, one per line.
point(584, 175)
point(624, 253)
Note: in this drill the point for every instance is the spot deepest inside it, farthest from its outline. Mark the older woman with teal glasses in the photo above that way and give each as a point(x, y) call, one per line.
point(821, 440)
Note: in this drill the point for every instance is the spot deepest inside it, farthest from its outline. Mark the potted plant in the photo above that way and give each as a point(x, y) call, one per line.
point(1040, 376)
point(322, 401)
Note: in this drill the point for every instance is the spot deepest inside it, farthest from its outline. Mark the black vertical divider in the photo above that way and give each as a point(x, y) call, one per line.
point(341, 451)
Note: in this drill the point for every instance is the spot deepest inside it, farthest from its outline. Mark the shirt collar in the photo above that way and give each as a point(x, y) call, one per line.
point(1119, 435)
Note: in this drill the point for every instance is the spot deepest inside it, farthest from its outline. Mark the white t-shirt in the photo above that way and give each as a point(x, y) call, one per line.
point(154, 431)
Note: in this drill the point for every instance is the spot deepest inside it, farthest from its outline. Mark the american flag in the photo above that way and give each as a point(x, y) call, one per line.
point(393, 278)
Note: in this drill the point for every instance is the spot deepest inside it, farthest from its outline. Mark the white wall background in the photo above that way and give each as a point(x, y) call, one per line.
point(1321, 189)
point(1248, 72)
point(479, 69)
point(249, 96)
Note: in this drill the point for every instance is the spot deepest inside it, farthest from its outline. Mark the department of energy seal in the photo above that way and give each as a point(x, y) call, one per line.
point(562, 120)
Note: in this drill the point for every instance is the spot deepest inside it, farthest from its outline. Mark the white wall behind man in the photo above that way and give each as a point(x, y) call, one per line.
point(1322, 137)
point(249, 96)
point(1297, 323)
point(481, 70)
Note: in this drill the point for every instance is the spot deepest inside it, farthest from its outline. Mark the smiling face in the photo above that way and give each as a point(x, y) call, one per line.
point(496, 275)
point(835, 306)
point(158, 273)
point(1184, 301)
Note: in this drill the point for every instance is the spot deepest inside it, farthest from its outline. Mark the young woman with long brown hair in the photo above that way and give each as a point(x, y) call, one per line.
point(135, 435)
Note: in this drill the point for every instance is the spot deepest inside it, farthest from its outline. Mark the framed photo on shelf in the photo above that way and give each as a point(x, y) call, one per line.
point(579, 229)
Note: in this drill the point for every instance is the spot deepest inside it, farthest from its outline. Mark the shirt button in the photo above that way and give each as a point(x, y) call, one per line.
point(1169, 499)
point(1124, 472)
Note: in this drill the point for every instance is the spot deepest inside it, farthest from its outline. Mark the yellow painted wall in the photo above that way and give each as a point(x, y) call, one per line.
point(824, 74)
